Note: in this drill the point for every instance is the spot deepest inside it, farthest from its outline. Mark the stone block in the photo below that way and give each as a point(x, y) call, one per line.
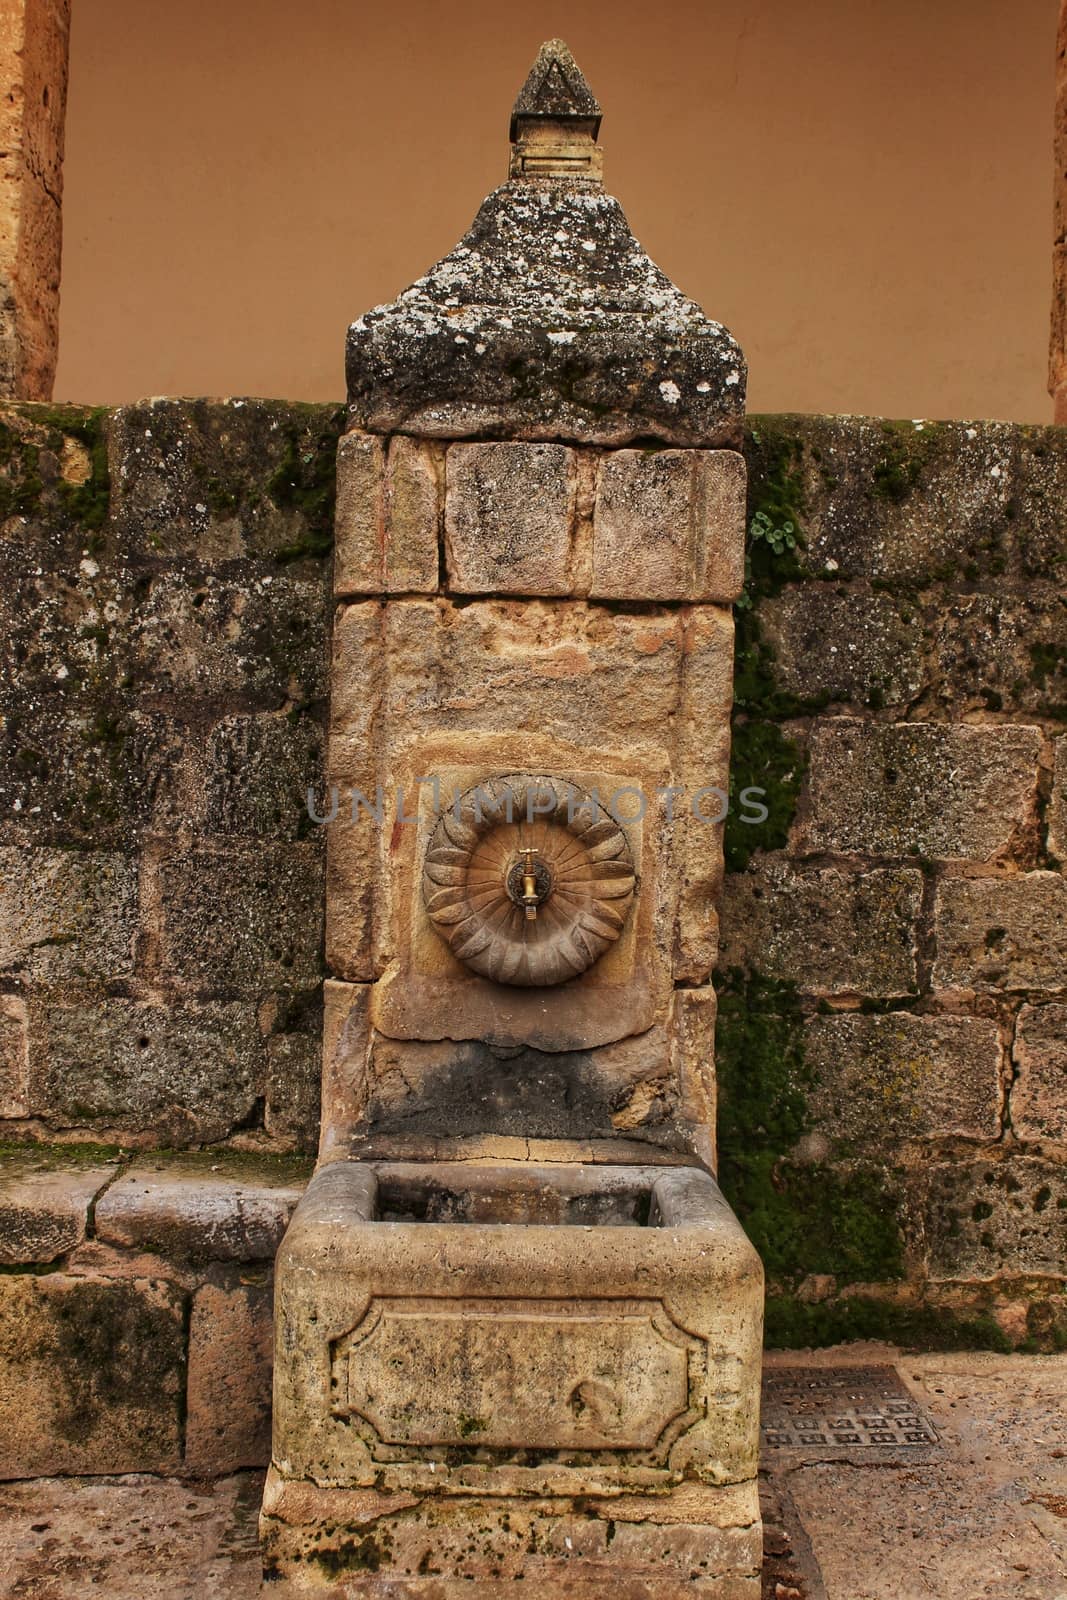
point(231, 1357)
point(836, 644)
point(994, 1219)
point(919, 788)
point(14, 1056)
point(1039, 1094)
point(291, 1113)
point(1005, 651)
point(883, 1079)
point(907, 502)
point(183, 1070)
point(92, 1375)
point(248, 917)
point(257, 640)
point(510, 518)
point(1057, 809)
point(216, 480)
point(54, 485)
point(259, 770)
point(1002, 933)
point(67, 916)
point(44, 1203)
point(669, 525)
point(85, 775)
point(193, 1211)
point(828, 931)
point(388, 515)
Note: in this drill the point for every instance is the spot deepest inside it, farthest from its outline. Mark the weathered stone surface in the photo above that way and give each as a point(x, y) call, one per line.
point(919, 788)
point(214, 480)
point(67, 916)
point(881, 1079)
point(1002, 933)
point(14, 1056)
point(1003, 651)
point(833, 643)
point(669, 525)
point(188, 1211)
point(244, 917)
point(995, 1219)
point(91, 1375)
point(294, 1064)
point(33, 55)
point(259, 770)
point(388, 515)
point(827, 931)
point(1039, 1094)
point(913, 502)
point(257, 640)
point(43, 1207)
point(547, 321)
point(85, 776)
point(183, 1070)
point(510, 518)
point(231, 1336)
point(1057, 810)
point(54, 484)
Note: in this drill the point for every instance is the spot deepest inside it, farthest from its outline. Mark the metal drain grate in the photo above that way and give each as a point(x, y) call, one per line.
point(839, 1410)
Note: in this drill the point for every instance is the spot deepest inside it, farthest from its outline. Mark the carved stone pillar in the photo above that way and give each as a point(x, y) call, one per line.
point(33, 66)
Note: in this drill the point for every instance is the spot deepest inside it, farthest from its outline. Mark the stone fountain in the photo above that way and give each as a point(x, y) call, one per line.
point(518, 1327)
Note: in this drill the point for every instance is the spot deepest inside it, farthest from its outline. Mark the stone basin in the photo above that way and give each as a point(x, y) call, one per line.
point(535, 1310)
point(515, 1333)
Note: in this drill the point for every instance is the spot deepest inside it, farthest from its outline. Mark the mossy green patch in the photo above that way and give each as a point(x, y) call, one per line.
point(802, 1217)
point(114, 1347)
point(762, 758)
point(305, 480)
point(792, 1324)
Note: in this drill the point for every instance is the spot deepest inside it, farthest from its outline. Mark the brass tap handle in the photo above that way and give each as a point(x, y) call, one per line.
point(530, 895)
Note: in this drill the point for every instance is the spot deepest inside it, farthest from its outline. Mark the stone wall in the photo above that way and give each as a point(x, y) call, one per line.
point(893, 1034)
point(893, 1021)
point(164, 616)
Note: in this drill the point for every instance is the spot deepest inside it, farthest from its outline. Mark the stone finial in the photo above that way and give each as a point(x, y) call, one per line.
point(555, 120)
point(548, 320)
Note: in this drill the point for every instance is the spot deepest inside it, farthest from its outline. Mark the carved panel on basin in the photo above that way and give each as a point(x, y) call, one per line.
point(516, 1374)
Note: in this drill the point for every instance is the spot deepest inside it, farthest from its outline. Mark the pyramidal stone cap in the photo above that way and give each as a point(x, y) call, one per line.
point(548, 320)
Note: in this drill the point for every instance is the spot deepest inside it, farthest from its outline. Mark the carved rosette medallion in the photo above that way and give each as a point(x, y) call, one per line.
point(528, 879)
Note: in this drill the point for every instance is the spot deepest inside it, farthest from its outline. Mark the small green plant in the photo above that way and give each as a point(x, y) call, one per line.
point(779, 535)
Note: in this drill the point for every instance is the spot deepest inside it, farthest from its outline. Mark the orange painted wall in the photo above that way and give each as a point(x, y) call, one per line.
point(860, 189)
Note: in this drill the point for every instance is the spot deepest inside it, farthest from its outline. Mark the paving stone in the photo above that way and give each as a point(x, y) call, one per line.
point(231, 1359)
point(44, 1204)
point(669, 525)
point(183, 1070)
point(1039, 1095)
point(92, 1375)
point(827, 931)
point(14, 1056)
point(259, 770)
point(881, 1079)
point(994, 1219)
point(832, 643)
point(919, 788)
point(67, 915)
point(510, 515)
point(388, 515)
point(215, 480)
point(190, 1212)
point(1002, 933)
point(245, 917)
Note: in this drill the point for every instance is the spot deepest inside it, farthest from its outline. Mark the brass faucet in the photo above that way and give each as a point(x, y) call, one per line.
point(529, 885)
